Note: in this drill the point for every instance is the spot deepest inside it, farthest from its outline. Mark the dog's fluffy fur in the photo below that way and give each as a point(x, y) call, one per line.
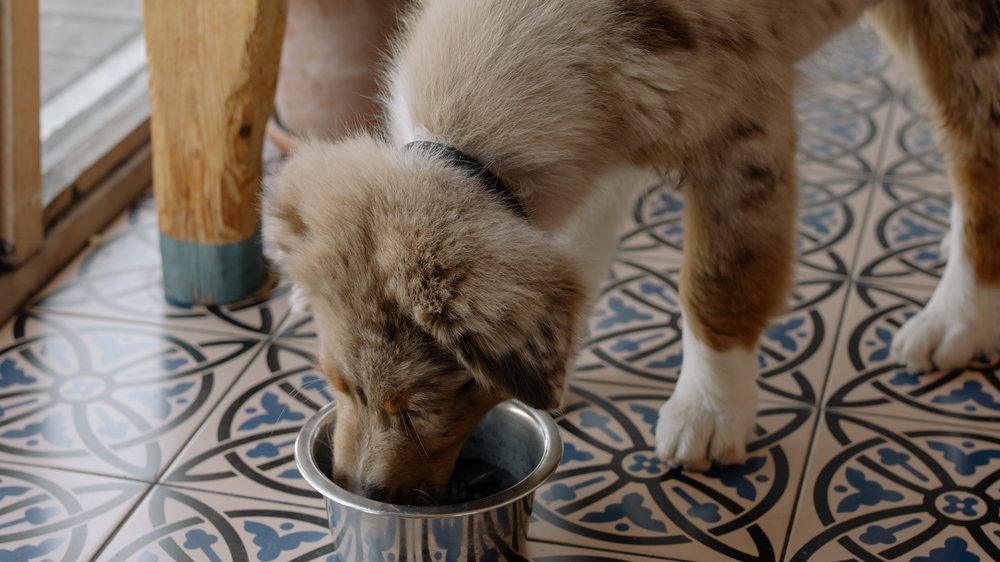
point(433, 301)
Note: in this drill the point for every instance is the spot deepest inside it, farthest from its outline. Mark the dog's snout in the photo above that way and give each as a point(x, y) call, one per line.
point(374, 491)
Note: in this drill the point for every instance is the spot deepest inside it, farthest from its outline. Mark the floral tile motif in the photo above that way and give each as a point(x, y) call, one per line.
point(115, 398)
point(177, 524)
point(55, 515)
point(910, 212)
point(174, 524)
point(636, 335)
point(120, 277)
point(865, 379)
point(612, 493)
point(246, 444)
point(899, 490)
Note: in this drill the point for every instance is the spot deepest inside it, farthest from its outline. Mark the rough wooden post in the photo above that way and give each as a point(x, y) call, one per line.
point(212, 72)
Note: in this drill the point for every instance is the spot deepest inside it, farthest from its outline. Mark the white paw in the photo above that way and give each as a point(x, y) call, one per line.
point(959, 323)
point(710, 416)
point(694, 432)
point(945, 338)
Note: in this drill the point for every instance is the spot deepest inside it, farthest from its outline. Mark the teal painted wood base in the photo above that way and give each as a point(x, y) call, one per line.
point(195, 273)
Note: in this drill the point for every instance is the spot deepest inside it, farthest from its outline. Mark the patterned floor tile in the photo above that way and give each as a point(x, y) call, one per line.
point(853, 65)
point(179, 524)
point(174, 524)
point(844, 109)
point(909, 213)
point(245, 445)
point(881, 489)
point(864, 378)
point(120, 277)
point(56, 515)
point(636, 335)
point(549, 552)
point(108, 397)
point(610, 492)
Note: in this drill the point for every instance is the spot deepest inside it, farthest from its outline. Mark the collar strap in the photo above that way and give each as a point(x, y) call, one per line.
point(476, 169)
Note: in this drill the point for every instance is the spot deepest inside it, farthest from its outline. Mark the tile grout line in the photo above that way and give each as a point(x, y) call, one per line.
point(166, 322)
point(121, 522)
point(988, 427)
point(259, 342)
point(588, 376)
point(192, 488)
point(262, 345)
point(820, 410)
point(103, 475)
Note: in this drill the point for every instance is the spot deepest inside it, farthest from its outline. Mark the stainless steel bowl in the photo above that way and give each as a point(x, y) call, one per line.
point(512, 436)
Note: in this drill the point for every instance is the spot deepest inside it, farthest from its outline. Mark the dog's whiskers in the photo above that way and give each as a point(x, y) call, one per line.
point(425, 496)
point(410, 430)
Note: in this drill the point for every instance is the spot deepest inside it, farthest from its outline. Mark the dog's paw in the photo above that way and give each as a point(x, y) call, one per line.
point(694, 433)
point(958, 324)
point(947, 335)
point(710, 416)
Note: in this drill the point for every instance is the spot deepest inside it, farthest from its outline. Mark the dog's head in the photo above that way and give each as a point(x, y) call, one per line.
point(433, 302)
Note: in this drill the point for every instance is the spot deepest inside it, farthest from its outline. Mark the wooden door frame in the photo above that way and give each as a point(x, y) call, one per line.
point(37, 246)
point(20, 143)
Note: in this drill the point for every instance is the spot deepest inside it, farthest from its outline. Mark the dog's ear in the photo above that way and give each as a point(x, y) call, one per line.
point(508, 308)
point(525, 353)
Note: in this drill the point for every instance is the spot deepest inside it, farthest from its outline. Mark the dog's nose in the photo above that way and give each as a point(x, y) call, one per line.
point(374, 491)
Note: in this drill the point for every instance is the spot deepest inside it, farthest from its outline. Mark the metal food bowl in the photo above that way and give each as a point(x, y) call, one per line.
point(513, 437)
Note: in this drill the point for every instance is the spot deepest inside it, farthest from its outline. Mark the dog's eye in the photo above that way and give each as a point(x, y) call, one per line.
point(466, 387)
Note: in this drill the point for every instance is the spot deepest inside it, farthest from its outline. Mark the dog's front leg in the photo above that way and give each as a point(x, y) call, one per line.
point(959, 69)
point(739, 231)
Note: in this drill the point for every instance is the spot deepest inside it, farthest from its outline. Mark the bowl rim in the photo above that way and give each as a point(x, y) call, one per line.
point(551, 456)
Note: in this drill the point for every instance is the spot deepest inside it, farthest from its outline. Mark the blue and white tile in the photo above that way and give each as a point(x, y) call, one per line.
point(612, 493)
point(246, 445)
point(864, 378)
point(636, 335)
point(118, 399)
point(881, 489)
point(120, 276)
point(57, 515)
point(177, 524)
point(844, 109)
point(180, 524)
point(551, 552)
point(910, 209)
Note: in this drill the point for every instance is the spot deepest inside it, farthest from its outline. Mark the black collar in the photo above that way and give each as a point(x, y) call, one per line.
point(476, 169)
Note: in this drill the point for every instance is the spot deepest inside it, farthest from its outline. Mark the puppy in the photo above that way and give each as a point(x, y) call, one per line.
point(450, 261)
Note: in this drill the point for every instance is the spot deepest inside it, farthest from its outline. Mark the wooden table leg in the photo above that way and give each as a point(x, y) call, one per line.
point(213, 66)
